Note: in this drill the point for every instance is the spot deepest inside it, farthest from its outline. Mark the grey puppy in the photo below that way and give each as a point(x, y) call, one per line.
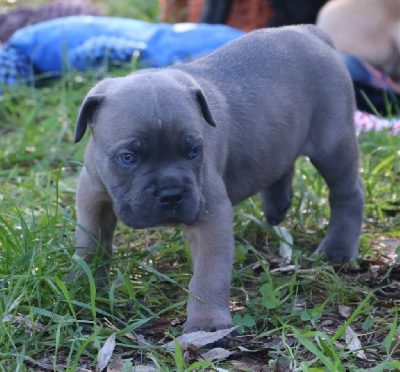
point(185, 143)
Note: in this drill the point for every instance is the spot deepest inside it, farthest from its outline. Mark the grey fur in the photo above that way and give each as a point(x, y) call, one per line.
point(273, 95)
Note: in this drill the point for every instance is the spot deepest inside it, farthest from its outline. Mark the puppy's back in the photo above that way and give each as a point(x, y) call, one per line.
point(287, 62)
point(267, 52)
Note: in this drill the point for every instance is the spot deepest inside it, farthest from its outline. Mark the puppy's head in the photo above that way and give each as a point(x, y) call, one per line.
point(147, 145)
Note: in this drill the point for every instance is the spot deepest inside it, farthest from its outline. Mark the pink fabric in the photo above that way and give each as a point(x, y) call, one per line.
point(366, 122)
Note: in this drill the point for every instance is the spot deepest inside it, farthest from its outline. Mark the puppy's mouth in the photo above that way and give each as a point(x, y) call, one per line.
point(145, 217)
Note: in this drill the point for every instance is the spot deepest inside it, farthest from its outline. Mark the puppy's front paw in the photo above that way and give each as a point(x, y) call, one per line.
point(209, 322)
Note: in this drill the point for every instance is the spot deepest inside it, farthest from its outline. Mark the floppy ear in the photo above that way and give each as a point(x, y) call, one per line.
point(87, 114)
point(205, 110)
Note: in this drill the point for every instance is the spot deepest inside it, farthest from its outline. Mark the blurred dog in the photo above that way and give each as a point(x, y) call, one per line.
point(368, 29)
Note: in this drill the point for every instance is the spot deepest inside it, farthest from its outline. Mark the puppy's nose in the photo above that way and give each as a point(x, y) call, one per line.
point(170, 197)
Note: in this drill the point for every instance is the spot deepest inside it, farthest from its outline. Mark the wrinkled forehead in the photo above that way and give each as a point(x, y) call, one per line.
point(146, 104)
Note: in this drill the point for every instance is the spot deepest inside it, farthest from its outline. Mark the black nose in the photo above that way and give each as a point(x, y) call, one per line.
point(170, 197)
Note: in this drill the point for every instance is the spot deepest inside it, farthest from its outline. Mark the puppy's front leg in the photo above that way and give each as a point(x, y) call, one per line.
point(211, 244)
point(96, 219)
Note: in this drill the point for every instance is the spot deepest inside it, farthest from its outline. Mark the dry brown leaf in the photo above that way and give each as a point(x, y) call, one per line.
point(326, 323)
point(26, 320)
point(105, 353)
point(200, 338)
point(216, 354)
point(353, 343)
point(191, 352)
point(116, 365)
point(345, 311)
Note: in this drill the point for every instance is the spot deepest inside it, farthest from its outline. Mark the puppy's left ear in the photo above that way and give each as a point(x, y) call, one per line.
point(87, 114)
point(205, 110)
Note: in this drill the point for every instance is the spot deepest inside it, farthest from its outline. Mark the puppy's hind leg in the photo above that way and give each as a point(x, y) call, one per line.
point(276, 199)
point(337, 162)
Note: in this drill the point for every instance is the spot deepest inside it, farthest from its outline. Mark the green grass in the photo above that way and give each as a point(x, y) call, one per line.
point(290, 317)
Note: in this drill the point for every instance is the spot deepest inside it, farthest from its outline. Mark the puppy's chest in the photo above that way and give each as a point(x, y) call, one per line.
point(243, 179)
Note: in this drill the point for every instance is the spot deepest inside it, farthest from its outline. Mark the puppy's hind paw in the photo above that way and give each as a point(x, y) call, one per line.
point(339, 256)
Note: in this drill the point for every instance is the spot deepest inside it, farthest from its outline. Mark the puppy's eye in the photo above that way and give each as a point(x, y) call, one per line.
point(127, 158)
point(194, 152)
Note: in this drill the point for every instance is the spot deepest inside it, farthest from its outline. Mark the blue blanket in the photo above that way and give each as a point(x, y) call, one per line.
point(84, 41)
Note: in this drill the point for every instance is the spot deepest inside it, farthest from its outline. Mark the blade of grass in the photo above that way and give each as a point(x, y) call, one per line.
point(92, 285)
point(82, 348)
point(356, 312)
point(64, 290)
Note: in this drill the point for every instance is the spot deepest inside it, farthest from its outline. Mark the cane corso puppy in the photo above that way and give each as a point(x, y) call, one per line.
point(183, 144)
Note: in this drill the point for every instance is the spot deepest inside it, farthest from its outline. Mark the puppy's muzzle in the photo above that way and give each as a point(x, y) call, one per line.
point(170, 197)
